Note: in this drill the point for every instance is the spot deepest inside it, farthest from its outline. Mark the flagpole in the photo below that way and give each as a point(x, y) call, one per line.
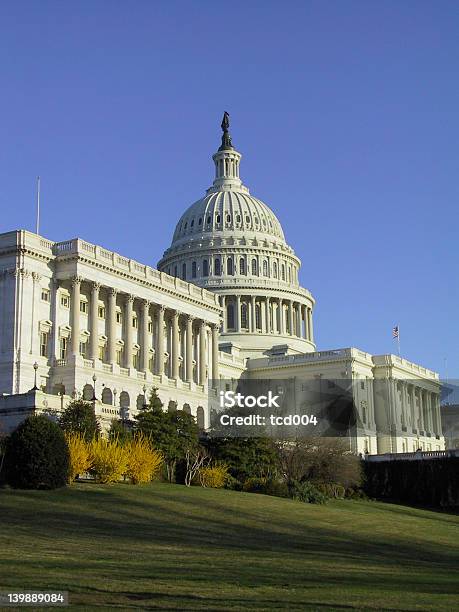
point(38, 206)
point(398, 341)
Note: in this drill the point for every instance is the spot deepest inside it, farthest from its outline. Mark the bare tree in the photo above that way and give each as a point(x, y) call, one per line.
point(195, 458)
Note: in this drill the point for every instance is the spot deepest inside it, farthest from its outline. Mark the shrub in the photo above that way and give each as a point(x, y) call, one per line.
point(254, 485)
point(233, 483)
point(109, 460)
point(37, 455)
point(266, 486)
point(213, 477)
point(79, 417)
point(307, 492)
point(143, 462)
point(331, 489)
point(80, 460)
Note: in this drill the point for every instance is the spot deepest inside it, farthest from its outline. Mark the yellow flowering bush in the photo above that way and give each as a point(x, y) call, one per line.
point(109, 459)
point(213, 477)
point(143, 461)
point(80, 459)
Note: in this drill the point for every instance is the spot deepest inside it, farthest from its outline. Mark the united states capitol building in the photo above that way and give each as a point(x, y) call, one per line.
point(224, 303)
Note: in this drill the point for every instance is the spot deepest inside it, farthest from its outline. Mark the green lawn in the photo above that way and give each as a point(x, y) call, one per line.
point(169, 547)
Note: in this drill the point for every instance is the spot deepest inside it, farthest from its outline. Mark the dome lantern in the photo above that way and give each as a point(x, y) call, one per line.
point(227, 161)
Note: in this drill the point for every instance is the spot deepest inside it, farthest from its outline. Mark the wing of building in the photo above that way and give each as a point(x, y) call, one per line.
point(224, 304)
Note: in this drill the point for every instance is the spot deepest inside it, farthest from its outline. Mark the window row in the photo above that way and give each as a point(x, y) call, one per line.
point(285, 272)
point(219, 217)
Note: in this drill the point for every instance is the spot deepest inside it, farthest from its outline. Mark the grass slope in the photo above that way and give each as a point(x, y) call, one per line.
point(166, 546)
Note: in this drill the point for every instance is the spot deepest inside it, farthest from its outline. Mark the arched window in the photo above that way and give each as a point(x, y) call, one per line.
point(230, 316)
point(193, 270)
point(192, 222)
point(172, 406)
point(229, 266)
point(244, 316)
point(88, 392)
point(228, 218)
point(283, 272)
point(258, 316)
point(200, 417)
point(184, 271)
point(107, 396)
point(265, 268)
point(275, 269)
point(217, 219)
point(205, 268)
point(289, 274)
point(217, 267)
point(140, 402)
point(125, 400)
point(186, 408)
point(209, 219)
point(242, 266)
point(254, 267)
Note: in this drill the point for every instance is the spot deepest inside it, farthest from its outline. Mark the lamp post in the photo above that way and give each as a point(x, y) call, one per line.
point(94, 380)
point(35, 367)
point(144, 389)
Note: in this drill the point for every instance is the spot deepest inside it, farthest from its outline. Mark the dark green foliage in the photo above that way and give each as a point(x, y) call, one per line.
point(79, 417)
point(431, 482)
point(246, 457)
point(267, 486)
point(173, 433)
point(120, 430)
point(37, 456)
point(331, 490)
point(306, 492)
point(233, 483)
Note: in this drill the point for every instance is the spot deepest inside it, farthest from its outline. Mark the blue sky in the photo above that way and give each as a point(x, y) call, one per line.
point(345, 113)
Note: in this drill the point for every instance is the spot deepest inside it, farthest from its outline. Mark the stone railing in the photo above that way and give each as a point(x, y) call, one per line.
point(118, 262)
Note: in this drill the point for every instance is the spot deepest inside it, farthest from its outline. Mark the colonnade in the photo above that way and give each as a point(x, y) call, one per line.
point(177, 341)
point(267, 315)
point(419, 409)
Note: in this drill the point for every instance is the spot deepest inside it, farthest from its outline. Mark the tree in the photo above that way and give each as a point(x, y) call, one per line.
point(321, 460)
point(194, 461)
point(120, 430)
point(246, 457)
point(79, 417)
point(37, 455)
point(172, 433)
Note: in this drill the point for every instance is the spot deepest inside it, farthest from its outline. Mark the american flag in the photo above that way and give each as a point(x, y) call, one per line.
point(395, 332)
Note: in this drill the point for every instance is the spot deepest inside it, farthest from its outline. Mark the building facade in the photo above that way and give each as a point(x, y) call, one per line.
point(224, 304)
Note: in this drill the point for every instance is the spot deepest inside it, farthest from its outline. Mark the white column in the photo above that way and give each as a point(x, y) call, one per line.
point(145, 337)
point(267, 326)
point(128, 309)
point(75, 317)
point(175, 345)
point(215, 375)
point(189, 349)
point(159, 350)
point(94, 322)
point(253, 322)
point(298, 319)
point(311, 333)
point(111, 331)
point(225, 322)
point(202, 353)
point(238, 313)
point(290, 317)
point(280, 315)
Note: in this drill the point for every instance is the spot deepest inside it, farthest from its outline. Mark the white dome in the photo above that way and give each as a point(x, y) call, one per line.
point(228, 212)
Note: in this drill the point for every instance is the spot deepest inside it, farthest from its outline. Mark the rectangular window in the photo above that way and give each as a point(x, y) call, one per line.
point(65, 301)
point(101, 312)
point(102, 353)
point(150, 327)
point(362, 384)
point(84, 307)
point(63, 348)
point(83, 349)
point(45, 295)
point(44, 338)
point(135, 361)
point(119, 356)
point(119, 317)
point(135, 321)
point(150, 364)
